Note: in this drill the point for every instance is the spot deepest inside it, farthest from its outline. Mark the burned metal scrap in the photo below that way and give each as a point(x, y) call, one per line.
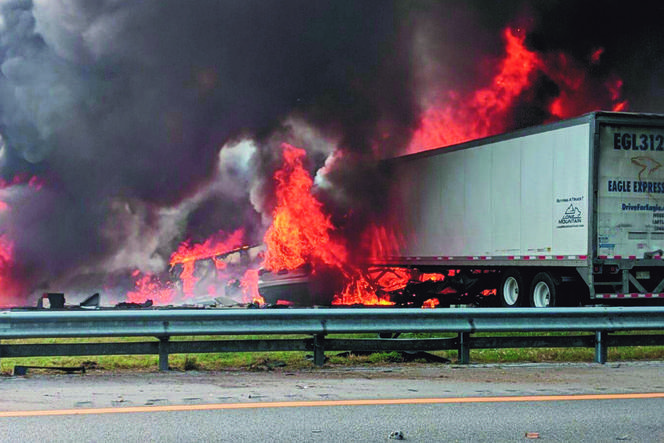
point(462, 287)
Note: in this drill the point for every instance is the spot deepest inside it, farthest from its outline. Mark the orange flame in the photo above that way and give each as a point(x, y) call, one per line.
point(216, 280)
point(595, 56)
point(249, 287)
point(482, 114)
point(431, 303)
point(150, 287)
point(578, 92)
point(432, 277)
point(359, 291)
point(391, 279)
point(381, 241)
point(485, 111)
point(300, 232)
point(187, 254)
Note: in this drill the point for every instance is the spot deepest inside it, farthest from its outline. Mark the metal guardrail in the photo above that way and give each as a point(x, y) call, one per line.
point(317, 324)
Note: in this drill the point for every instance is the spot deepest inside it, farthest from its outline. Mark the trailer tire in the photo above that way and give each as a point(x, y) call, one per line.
point(543, 291)
point(511, 289)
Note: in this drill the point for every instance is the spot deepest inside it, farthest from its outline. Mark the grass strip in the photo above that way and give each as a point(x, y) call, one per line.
point(266, 361)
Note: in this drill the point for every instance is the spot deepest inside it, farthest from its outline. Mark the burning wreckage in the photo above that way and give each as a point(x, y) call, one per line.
point(210, 278)
point(560, 214)
point(419, 197)
point(566, 213)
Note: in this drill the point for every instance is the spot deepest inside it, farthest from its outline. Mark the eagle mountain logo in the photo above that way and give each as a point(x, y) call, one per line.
point(572, 216)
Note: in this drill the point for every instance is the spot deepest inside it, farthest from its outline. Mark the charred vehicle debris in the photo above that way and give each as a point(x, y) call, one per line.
point(563, 214)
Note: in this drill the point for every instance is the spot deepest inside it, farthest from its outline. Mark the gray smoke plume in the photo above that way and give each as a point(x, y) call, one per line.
point(122, 108)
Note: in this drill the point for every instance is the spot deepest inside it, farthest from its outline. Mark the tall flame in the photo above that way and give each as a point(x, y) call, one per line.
point(300, 231)
point(482, 114)
point(486, 111)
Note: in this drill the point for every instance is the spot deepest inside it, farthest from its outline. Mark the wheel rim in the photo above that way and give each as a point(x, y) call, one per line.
point(542, 295)
point(511, 290)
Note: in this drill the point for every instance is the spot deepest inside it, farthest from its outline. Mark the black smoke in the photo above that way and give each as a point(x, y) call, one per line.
point(122, 108)
point(630, 34)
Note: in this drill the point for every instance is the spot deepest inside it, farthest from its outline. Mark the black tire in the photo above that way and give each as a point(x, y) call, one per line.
point(543, 291)
point(511, 290)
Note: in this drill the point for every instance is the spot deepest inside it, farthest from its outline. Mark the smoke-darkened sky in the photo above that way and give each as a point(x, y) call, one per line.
point(122, 108)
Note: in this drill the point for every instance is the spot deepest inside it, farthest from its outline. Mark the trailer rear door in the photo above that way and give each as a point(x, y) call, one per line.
point(630, 202)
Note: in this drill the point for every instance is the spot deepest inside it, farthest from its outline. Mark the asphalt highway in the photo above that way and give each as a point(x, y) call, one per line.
point(602, 420)
point(585, 402)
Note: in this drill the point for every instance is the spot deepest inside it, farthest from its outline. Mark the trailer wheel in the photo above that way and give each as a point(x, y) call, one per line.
point(510, 290)
point(543, 291)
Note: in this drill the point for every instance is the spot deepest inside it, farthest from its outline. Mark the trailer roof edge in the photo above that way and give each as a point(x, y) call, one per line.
point(614, 117)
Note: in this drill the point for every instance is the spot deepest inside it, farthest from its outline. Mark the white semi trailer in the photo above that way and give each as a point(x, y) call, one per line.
point(565, 213)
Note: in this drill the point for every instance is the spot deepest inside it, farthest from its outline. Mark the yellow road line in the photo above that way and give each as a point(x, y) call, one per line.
point(300, 404)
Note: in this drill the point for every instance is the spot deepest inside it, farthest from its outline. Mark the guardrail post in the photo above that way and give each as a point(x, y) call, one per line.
point(464, 348)
point(319, 349)
point(600, 346)
point(163, 353)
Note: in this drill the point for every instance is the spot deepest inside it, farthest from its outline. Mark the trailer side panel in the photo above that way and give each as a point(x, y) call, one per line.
point(518, 197)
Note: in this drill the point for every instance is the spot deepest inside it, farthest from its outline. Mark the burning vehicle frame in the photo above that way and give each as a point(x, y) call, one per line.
point(574, 244)
point(574, 257)
point(291, 168)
